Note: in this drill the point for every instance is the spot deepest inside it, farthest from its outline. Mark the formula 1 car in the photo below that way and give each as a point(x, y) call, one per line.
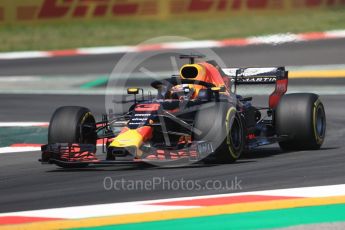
point(194, 116)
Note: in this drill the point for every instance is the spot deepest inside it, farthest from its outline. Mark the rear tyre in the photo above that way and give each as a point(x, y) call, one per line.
point(301, 117)
point(221, 125)
point(72, 124)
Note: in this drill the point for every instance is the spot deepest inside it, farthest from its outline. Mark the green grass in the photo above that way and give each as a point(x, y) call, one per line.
point(110, 33)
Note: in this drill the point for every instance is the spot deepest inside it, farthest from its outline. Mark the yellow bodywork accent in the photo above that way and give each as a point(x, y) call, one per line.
point(221, 88)
point(132, 90)
point(130, 138)
point(215, 88)
point(201, 75)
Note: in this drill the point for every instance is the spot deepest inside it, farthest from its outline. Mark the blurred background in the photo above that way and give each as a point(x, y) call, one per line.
point(66, 24)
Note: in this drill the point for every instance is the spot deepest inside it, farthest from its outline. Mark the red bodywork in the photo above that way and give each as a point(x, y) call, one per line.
point(280, 90)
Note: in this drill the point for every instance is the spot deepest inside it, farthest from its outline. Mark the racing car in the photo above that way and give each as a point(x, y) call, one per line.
point(195, 115)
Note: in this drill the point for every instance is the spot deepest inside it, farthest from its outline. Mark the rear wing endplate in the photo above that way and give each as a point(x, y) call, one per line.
point(267, 75)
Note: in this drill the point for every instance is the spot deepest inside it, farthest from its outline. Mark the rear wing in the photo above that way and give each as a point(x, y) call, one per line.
point(267, 75)
point(256, 75)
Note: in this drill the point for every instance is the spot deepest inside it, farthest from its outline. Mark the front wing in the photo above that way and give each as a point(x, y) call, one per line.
point(67, 154)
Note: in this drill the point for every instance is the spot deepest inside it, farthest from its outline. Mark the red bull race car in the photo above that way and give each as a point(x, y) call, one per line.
point(195, 116)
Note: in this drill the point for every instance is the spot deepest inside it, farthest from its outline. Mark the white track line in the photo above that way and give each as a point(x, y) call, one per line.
point(23, 124)
point(21, 149)
point(275, 39)
point(4, 150)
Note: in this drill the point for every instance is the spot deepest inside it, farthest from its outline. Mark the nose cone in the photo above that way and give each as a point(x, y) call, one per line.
point(132, 138)
point(129, 138)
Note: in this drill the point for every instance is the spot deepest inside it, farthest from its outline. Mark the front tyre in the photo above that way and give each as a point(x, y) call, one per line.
point(220, 124)
point(235, 137)
point(72, 124)
point(301, 117)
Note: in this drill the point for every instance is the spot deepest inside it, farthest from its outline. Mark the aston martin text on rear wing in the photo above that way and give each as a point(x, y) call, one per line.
point(267, 75)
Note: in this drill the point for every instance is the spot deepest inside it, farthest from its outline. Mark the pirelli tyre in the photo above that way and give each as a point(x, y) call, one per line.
point(301, 118)
point(72, 124)
point(220, 124)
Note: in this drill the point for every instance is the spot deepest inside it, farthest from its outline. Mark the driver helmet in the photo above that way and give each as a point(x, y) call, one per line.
point(183, 90)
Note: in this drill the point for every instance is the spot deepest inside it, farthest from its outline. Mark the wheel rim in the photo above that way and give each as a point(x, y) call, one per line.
point(87, 130)
point(235, 134)
point(320, 122)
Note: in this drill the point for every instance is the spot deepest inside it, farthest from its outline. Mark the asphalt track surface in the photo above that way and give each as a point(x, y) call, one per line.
point(27, 185)
point(289, 54)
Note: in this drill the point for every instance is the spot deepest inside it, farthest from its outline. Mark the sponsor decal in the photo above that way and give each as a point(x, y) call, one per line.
point(139, 119)
point(205, 148)
point(64, 10)
point(256, 80)
point(83, 8)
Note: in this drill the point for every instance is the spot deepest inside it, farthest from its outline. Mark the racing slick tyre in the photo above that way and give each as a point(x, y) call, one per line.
point(72, 124)
point(301, 117)
point(221, 125)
